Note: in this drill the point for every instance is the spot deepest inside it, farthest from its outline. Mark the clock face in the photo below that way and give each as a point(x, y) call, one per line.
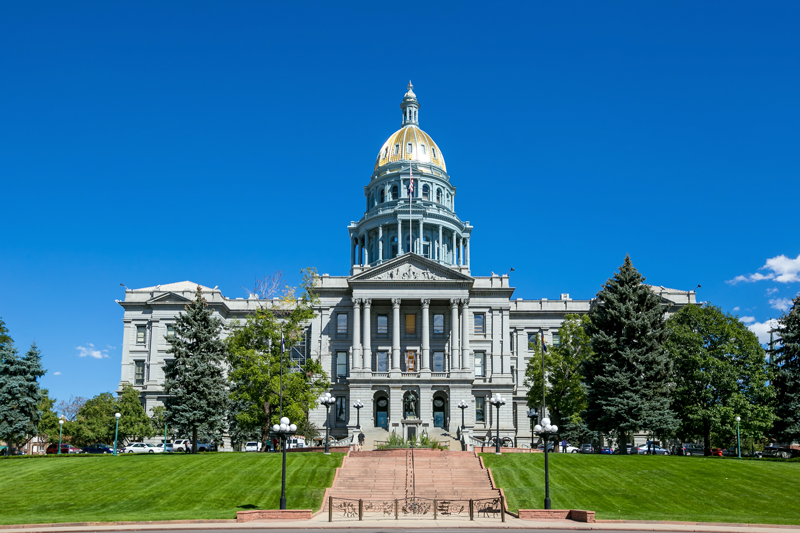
point(382, 402)
point(438, 402)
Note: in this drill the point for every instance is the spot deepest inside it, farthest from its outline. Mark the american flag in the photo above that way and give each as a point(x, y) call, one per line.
point(410, 182)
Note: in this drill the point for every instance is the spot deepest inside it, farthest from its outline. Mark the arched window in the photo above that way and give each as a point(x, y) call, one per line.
point(426, 247)
point(383, 195)
point(394, 246)
point(439, 195)
point(426, 192)
point(410, 148)
point(395, 191)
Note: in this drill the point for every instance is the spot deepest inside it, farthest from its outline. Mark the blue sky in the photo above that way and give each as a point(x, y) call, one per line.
point(216, 142)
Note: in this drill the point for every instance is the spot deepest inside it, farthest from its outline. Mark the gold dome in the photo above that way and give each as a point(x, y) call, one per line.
point(410, 143)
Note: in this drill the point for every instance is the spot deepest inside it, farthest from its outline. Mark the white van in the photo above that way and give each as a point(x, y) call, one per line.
point(298, 441)
point(252, 446)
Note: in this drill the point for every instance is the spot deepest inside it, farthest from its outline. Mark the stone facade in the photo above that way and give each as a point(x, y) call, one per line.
point(410, 331)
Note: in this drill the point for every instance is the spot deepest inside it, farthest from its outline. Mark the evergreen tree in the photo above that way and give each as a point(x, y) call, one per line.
point(256, 361)
point(627, 377)
point(786, 365)
point(4, 338)
point(566, 394)
point(195, 379)
point(19, 393)
point(719, 373)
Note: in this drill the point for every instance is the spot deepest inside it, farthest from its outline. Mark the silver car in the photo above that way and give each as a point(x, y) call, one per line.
point(653, 450)
point(141, 447)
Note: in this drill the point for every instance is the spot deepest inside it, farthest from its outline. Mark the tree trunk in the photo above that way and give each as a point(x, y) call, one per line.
point(706, 438)
point(194, 439)
point(623, 443)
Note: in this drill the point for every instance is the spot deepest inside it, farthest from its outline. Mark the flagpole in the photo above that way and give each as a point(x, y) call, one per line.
point(281, 384)
point(410, 223)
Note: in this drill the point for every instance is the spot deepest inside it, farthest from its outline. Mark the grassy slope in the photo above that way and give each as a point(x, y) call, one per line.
point(654, 488)
point(158, 487)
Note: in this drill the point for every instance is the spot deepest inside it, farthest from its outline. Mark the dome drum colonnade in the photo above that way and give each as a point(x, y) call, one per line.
point(435, 230)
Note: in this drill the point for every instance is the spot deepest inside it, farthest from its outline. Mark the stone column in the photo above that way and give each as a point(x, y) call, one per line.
point(467, 251)
point(421, 240)
point(455, 247)
point(454, 358)
point(367, 357)
point(461, 251)
point(352, 251)
point(356, 360)
point(439, 247)
point(465, 333)
point(380, 242)
point(399, 236)
point(366, 248)
point(426, 345)
point(395, 333)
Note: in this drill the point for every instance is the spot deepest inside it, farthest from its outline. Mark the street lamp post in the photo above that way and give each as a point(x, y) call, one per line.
point(738, 440)
point(533, 415)
point(497, 401)
point(358, 405)
point(284, 430)
point(116, 430)
point(546, 430)
point(327, 401)
point(60, 425)
point(462, 405)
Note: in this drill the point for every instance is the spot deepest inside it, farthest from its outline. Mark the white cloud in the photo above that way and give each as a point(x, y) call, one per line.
point(56, 373)
point(90, 351)
point(781, 304)
point(771, 291)
point(782, 269)
point(737, 308)
point(761, 329)
point(747, 319)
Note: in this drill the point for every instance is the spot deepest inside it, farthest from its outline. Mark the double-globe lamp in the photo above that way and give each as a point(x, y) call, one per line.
point(327, 401)
point(462, 405)
point(358, 405)
point(546, 430)
point(497, 401)
point(285, 429)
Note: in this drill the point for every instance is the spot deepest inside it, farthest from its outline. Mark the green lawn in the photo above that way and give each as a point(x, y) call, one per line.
point(158, 487)
point(654, 487)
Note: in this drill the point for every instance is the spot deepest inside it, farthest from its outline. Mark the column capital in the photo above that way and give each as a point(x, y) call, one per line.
point(357, 301)
point(396, 303)
point(367, 302)
point(454, 302)
point(426, 302)
point(465, 302)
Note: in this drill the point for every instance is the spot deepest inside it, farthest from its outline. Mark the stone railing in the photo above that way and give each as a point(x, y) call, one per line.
point(341, 509)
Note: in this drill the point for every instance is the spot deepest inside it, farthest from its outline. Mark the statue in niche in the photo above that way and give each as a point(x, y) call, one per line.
point(410, 405)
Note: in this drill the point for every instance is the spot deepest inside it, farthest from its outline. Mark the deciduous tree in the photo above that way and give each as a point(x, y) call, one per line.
point(786, 365)
point(628, 376)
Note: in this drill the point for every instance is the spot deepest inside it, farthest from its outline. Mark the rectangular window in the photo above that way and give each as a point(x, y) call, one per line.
point(480, 324)
point(409, 148)
point(141, 332)
point(383, 325)
point(556, 339)
point(438, 324)
point(480, 364)
point(480, 411)
point(170, 330)
point(533, 340)
point(411, 324)
point(299, 352)
point(411, 361)
point(341, 409)
point(396, 149)
point(341, 323)
point(382, 362)
point(438, 361)
point(138, 373)
point(341, 364)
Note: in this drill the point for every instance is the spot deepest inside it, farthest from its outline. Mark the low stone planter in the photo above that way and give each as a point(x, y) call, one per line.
point(556, 514)
point(274, 514)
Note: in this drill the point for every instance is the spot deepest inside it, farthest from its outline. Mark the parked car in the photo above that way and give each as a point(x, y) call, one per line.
point(141, 447)
point(770, 451)
point(165, 447)
point(252, 446)
point(689, 448)
point(98, 448)
point(182, 445)
point(587, 448)
point(206, 447)
point(606, 450)
point(653, 449)
point(788, 452)
point(65, 448)
point(631, 450)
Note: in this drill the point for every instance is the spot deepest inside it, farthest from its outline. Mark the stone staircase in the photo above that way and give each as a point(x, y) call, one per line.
point(434, 474)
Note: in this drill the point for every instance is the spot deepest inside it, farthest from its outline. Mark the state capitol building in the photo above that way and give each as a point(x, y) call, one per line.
point(410, 332)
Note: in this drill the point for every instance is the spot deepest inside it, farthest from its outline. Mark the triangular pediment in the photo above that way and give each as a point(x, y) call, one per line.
point(169, 298)
point(411, 267)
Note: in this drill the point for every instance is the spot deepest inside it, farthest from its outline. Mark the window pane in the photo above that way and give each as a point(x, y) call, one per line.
point(438, 361)
point(341, 323)
point(533, 339)
point(140, 331)
point(170, 330)
point(383, 362)
point(138, 376)
point(341, 364)
point(479, 409)
point(479, 323)
point(341, 409)
point(411, 323)
point(383, 325)
point(438, 323)
point(556, 339)
point(479, 364)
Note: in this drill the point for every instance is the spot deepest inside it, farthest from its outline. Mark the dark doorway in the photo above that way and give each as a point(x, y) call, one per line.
point(412, 433)
point(382, 413)
point(439, 405)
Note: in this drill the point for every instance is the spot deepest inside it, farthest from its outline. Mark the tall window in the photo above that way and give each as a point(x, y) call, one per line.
point(480, 409)
point(383, 324)
point(396, 149)
point(438, 324)
point(341, 364)
point(426, 247)
point(426, 192)
point(410, 148)
point(341, 323)
point(394, 246)
point(411, 361)
point(433, 151)
point(138, 373)
point(422, 149)
point(170, 330)
point(383, 196)
point(395, 192)
point(533, 340)
point(439, 195)
point(411, 324)
point(341, 409)
point(556, 339)
point(382, 362)
point(480, 364)
point(141, 332)
point(438, 361)
point(480, 323)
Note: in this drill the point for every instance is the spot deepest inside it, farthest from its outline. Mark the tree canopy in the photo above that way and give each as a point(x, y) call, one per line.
point(786, 366)
point(20, 394)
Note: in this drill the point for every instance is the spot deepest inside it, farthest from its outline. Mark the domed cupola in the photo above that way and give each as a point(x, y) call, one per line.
point(410, 143)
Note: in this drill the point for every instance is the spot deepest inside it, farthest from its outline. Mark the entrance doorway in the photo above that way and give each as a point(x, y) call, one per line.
point(382, 413)
point(439, 410)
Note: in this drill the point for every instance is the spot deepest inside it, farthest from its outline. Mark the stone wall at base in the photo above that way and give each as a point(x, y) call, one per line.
point(557, 514)
point(274, 514)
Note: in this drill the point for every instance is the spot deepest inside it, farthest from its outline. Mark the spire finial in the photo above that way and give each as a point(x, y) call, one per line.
point(410, 93)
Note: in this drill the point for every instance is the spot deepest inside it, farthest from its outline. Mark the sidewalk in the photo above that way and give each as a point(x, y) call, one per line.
point(321, 522)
